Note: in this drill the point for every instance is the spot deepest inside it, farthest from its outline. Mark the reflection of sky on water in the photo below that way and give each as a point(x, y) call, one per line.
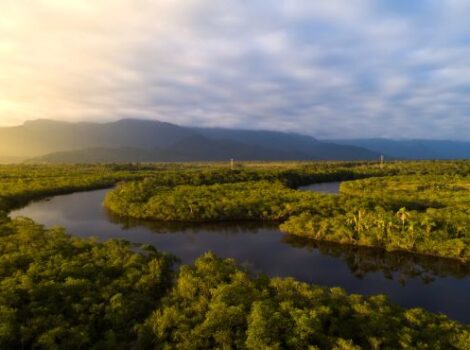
point(325, 187)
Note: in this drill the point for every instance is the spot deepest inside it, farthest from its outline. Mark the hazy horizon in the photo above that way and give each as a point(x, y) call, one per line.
point(334, 69)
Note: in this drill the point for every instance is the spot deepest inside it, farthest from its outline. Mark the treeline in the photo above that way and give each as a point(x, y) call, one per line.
point(439, 225)
point(20, 183)
point(26, 182)
point(431, 233)
point(291, 177)
point(441, 228)
point(260, 200)
point(432, 190)
point(59, 292)
point(251, 200)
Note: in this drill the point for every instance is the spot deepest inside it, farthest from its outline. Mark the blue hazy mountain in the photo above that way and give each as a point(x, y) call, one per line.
point(413, 149)
point(130, 140)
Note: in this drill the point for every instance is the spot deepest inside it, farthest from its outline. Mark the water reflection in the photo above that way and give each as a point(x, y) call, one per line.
point(399, 266)
point(324, 187)
point(228, 227)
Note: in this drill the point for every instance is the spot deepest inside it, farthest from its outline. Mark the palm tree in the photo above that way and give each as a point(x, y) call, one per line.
point(412, 231)
point(403, 215)
point(429, 225)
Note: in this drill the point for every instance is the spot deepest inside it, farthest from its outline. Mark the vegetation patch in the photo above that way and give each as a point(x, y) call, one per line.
point(439, 226)
point(419, 213)
point(62, 292)
point(260, 200)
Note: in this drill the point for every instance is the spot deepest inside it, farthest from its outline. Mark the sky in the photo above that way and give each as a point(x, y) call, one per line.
point(329, 68)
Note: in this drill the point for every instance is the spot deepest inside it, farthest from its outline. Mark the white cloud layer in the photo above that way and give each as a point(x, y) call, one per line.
point(336, 68)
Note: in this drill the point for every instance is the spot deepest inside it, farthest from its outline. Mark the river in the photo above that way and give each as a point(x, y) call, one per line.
point(438, 285)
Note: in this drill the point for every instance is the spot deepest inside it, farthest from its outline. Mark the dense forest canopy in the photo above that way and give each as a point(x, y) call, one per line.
point(66, 293)
point(417, 207)
point(61, 292)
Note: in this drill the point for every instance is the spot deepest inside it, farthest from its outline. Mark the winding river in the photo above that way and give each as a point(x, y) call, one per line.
point(438, 285)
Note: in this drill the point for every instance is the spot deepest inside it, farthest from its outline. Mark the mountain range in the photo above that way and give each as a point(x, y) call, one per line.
point(132, 140)
point(413, 149)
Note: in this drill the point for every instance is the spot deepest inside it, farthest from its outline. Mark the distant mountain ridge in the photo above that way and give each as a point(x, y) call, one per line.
point(144, 140)
point(39, 137)
point(412, 149)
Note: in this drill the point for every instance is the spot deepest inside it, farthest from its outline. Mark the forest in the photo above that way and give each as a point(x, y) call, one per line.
point(62, 292)
point(416, 208)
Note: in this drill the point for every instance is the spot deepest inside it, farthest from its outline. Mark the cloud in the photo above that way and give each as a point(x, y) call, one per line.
point(337, 68)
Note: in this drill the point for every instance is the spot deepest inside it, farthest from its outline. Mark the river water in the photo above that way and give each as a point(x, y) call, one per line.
point(438, 285)
point(325, 187)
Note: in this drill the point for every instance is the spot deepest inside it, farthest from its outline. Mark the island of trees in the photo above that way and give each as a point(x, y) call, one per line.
point(416, 207)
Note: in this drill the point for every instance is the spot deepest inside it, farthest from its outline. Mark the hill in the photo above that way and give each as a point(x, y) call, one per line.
point(143, 140)
point(39, 137)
